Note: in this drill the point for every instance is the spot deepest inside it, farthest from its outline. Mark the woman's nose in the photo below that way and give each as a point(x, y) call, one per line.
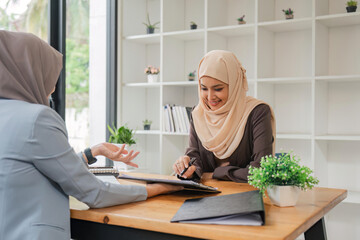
point(211, 95)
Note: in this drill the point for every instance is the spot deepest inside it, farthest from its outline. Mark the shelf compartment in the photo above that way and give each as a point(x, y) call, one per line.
point(173, 147)
point(330, 7)
point(287, 25)
point(181, 57)
point(292, 104)
point(336, 53)
point(226, 12)
point(336, 109)
point(271, 10)
point(136, 57)
point(186, 96)
point(242, 46)
point(178, 14)
point(284, 54)
point(139, 104)
point(300, 147)
point(149, 157)
point(134, 13)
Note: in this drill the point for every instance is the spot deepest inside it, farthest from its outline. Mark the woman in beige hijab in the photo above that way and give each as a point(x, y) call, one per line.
point(229, 131)
point(38, 167)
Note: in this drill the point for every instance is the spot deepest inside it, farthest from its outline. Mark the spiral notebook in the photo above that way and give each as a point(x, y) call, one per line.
point(104, 171)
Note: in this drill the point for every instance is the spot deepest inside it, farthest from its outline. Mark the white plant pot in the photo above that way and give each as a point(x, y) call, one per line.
point(120, 166)
point(283, 196)
point(152, 78)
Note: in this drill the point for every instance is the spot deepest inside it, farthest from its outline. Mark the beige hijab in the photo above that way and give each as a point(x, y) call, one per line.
point(221, 131)
point(29, 67)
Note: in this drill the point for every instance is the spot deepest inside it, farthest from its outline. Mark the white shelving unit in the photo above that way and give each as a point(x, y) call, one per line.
point(307, 69)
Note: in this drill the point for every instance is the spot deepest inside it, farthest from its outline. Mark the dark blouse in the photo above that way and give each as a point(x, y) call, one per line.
point(256, 143)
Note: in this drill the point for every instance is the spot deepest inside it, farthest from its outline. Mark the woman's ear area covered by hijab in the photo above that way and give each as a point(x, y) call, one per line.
point(29, 67)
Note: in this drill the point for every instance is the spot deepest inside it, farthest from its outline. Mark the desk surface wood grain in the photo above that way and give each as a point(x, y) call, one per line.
point(155, 213)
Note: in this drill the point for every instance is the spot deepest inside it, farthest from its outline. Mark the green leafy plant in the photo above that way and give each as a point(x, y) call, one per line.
point(288, 11)
point(192, 23)
point(148, 23)
point(240, 19)
point(351, 3)
point(122, 134)
point(283, 170)
point(147, 122)
point(192, 74)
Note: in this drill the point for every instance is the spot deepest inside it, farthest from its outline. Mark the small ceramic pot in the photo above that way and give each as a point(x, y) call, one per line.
point(152, 78)
point(283, 196)
point(147, 127)
point(351, 9)
point(289, 16)
point(150, 30)
point(193, 26)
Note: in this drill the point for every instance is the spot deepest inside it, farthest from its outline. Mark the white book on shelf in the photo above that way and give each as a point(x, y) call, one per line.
point(166, 122)
point(176, 119)
point(172, 123)
point(182, 122)
point(186, 119)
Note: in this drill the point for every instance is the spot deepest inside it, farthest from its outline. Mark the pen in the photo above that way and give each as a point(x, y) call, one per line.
point(192, 161)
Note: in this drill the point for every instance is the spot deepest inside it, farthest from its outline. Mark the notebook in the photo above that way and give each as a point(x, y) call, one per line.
point(104, 171)
point(187, 184)
point(245, 208)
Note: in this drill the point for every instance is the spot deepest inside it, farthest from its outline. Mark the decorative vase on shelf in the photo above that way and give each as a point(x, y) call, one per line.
point(283, 196)
point(152, 78)
point(289, 16)
point(150, 30)
point(351, 9)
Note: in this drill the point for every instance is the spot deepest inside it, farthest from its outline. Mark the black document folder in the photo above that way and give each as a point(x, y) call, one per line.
point(187, 184)
point(245, 208)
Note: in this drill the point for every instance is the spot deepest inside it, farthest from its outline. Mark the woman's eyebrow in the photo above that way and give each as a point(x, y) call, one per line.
point(217, 85)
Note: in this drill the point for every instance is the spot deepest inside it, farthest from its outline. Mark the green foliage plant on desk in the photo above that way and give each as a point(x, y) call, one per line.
point(283, 171)
point(121, 135)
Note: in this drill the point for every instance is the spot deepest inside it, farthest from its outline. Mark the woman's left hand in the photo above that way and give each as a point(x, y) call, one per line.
point(115, 153)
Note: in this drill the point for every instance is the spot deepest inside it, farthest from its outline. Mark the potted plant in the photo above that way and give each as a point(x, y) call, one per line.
point(282, 177)
point(192, 76)
point(289, 14)
point(152, 73)
point(193, 25)
point(351, 6)
point(150, 28)
point(147, 124)
point(241, 20)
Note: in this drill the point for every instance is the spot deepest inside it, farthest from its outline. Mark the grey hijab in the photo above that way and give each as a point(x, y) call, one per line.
point(29, 67)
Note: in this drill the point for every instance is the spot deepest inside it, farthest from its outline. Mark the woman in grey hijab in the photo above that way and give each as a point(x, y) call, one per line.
point(38, 167)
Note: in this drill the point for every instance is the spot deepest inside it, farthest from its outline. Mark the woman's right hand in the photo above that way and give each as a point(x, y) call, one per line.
point(155, 189)
point(181, 164)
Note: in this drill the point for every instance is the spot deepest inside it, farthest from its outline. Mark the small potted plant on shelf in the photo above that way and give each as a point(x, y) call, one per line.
point(241, 20)
point(120, 136)
point(191, 76)
point(193, 25)
point(351, 6)
point(289, 14)
point(150, 28)
point(282, 177)
point(147, 124)
point(152, 73)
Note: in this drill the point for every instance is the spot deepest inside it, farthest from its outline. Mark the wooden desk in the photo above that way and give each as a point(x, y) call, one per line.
point(150, 219)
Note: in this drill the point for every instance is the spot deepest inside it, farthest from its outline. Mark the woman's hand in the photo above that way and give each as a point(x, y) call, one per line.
point(181, 164)
point(115, 153)
point(161, 188)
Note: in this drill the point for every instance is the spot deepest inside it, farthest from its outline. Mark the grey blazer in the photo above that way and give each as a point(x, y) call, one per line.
point(39, 170)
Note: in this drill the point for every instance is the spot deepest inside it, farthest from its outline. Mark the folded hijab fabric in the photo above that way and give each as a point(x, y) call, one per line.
point(29, 67)
point(220, 131)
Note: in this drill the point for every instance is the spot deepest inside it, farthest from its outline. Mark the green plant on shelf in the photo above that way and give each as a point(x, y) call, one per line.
point(241, 19)
point(288, 11)
point(282, 171)
point(148, 23)
point(121, 135)
point(351, 3)
point(147, 122)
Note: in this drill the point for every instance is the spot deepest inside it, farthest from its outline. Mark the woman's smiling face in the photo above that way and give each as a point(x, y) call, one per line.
point(213, 92)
